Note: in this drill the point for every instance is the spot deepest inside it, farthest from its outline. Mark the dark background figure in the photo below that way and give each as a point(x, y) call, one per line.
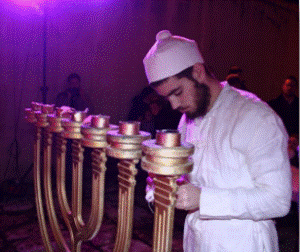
point(286, 105)
point(153, 112)
point(235, 78)
point(290, 222)
point(138, 105)
point(73, 96)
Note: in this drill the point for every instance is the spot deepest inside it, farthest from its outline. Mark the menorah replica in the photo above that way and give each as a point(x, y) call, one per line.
point(165, 157)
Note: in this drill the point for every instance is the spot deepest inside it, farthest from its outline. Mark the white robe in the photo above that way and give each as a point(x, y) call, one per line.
point(241, 164)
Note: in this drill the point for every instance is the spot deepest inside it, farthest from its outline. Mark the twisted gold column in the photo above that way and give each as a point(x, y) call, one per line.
point(167, 158)
point(73, 216)
point(37, 115)
point(94, 136)
point(54, 127)
point(68, 126)
point(125, 144)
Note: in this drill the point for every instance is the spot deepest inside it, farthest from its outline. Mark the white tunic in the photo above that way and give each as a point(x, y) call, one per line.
point(241, 164)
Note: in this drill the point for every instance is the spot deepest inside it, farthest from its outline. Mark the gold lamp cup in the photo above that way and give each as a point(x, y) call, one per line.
point(129, 128)
point(168, 138)
point(100, 121)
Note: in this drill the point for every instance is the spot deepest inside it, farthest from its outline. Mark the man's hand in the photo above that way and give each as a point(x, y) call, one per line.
point(188, 197)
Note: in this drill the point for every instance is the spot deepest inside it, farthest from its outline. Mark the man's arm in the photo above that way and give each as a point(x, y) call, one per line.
point(266, 156)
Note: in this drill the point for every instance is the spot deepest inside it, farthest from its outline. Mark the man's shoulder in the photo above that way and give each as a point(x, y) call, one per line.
point(244, 101)
point(247, 108)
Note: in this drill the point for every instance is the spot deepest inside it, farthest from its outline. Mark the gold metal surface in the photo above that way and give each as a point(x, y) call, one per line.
point(94, 133)
point(36, 106)
point(47, 109)
point(47, 122)
point(168, 138)
point(30, 115)
point(55, 120)
point(165, 199)
point(72, 127)
point(167, 158)
point(43, 151)
point(62, 244)
point(38, 190)
point(93, 137)
point(41, 116)
point(100, 121)
point(129, 128)
point(166, 170)
point(126, 177)
point(125, 144)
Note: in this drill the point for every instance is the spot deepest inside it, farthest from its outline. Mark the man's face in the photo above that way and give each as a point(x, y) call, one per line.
point(185, 95)
point(289, 88)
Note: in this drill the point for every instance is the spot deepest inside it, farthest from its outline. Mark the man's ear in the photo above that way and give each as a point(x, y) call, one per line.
point(199, 72)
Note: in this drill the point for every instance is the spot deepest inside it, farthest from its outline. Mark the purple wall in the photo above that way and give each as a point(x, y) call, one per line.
point(105, 42)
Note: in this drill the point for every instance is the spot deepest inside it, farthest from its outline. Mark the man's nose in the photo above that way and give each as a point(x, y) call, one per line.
point(175, 103)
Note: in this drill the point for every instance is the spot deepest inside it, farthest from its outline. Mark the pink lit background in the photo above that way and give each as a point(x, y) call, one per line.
point(105, 42)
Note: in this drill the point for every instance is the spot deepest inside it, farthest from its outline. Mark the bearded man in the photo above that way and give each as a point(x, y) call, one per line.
point(241, 177)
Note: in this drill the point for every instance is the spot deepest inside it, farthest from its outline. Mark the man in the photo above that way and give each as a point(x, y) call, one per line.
point(73, 96)
point(286, 105)
point(241, 177)
point(235, 79)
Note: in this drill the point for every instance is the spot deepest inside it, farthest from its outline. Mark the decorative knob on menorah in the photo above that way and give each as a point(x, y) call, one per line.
point(167, 158)
point(30, 113)
point(125, 144)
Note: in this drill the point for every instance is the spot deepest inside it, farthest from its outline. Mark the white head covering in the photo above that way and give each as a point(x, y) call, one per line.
point(170, 55)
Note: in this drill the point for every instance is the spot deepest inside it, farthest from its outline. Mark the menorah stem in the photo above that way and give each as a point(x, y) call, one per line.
point(127, 172)
point(61, 184)
point(77, 155)
point(98, 184)
point(165, 190)
point(48, 194)
point(38, 190)
point(167, 158)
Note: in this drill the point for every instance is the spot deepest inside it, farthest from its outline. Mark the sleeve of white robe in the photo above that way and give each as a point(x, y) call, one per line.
point(261, 137)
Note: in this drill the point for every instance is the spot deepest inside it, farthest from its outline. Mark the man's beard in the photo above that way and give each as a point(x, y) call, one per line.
point(202, 99)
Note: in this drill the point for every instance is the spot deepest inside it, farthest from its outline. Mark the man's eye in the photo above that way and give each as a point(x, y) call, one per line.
point(177, 93)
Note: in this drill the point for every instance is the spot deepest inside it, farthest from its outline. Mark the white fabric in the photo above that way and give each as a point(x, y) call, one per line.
point(241, 164)
point(169, 56)
point(149, 194)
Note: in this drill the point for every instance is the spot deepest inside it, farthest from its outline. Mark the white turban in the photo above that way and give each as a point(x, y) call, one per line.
point(170, 55)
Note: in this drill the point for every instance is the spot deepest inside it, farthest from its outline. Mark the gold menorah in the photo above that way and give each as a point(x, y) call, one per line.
point(166, 157)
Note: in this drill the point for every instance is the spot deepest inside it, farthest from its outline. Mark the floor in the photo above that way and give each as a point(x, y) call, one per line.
point(19, 230)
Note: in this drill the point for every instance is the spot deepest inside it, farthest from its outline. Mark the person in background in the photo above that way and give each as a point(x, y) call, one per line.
point(241, 177)
point(286, 105)
point(235, 78)
point(73, 96)
point(152, 112)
